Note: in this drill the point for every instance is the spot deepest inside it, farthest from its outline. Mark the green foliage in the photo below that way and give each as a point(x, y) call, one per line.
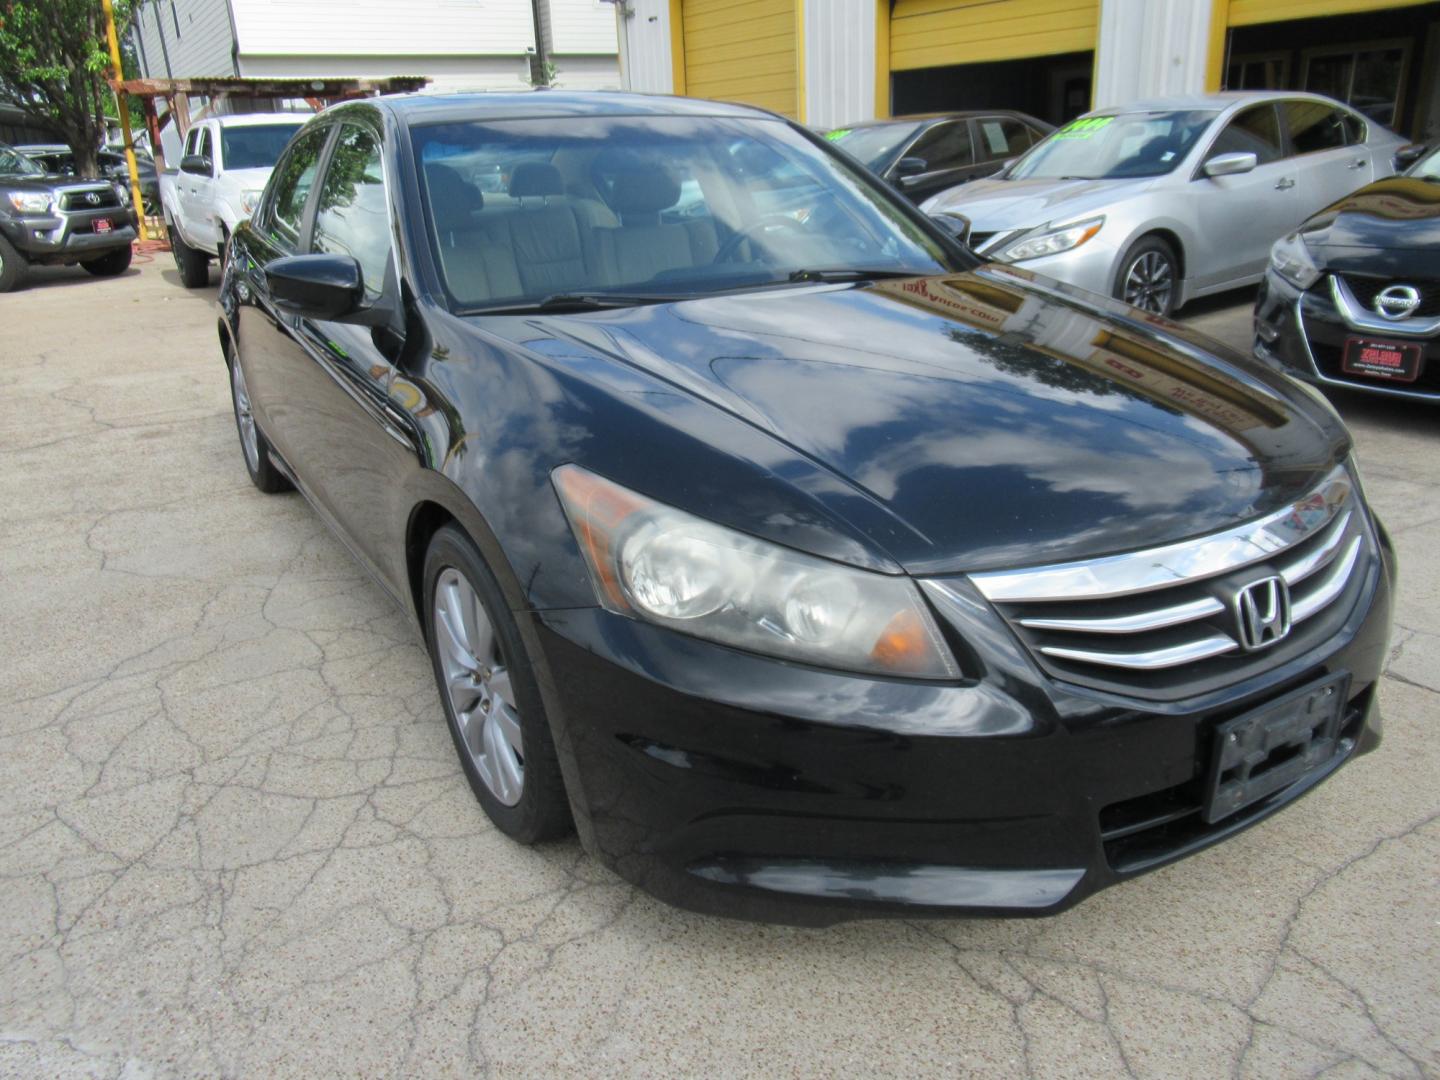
point(54, 59)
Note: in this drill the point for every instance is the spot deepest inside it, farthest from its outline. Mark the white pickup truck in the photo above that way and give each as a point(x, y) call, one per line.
point(224, 167)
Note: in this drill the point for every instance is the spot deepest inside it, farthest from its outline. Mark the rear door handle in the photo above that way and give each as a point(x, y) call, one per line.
point(1285, 185)
point(1358, 163)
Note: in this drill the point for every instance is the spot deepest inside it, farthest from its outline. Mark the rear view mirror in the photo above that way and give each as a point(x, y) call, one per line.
point(957, 225)
point(326, 287)
point(1408, 155)
point(197, 163)
point(1230, 164)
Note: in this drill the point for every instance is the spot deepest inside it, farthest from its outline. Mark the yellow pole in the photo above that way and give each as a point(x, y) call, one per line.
point(136, 198)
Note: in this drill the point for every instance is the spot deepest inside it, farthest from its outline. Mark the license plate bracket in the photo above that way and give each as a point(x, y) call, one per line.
point(1374, 358)
point(1269, 748)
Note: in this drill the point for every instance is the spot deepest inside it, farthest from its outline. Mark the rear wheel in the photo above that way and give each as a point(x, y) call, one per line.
point(194, 266)
point(487, 686)
point(12, 267)
point(1149, 275)
point(255, 449)
point(111, 264)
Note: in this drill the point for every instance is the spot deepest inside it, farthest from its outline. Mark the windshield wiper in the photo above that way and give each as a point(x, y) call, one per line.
point(563, 302)
point(846, 273)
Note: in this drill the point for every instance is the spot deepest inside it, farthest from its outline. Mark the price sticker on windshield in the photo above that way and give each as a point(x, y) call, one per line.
point(838, 133)
point(1085, 127)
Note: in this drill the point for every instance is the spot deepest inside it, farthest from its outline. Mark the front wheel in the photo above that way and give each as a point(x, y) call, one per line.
point(12, 267)
point(491, 699)
point(194, 266)
point(1148, 276)
point(110, 264)
point(253, 445)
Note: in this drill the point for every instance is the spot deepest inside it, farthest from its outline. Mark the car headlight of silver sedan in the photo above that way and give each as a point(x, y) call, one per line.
point(661, 565)
point(30, 202)
point(249, 200)
point(1053, 241)
point(1291, 259)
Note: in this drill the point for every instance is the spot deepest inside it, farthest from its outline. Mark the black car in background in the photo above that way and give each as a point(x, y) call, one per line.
point(923, 155)
point(59, 160)
point(804, 563)
point(1353, 297)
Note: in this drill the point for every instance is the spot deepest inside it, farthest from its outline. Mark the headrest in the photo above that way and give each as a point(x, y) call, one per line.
point(452, 198)
point(643, 191)
point(535, 178)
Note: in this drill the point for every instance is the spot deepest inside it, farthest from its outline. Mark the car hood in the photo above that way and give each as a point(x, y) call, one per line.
point(1001, 418)
point(1400, 213)
point(1001, 205)
point(46, 184)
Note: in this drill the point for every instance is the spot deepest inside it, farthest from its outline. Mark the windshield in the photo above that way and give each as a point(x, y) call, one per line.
point(255, 147)
point(873, 144)
point(1427, 168)
point(670, 206)
point(1114, 147)
point(13, 163)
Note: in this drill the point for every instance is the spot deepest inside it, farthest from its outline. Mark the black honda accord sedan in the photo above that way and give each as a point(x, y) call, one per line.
point(1352, 298)
point(805, 565)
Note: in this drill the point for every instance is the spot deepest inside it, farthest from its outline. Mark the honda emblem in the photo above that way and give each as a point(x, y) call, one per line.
point(1262, 610)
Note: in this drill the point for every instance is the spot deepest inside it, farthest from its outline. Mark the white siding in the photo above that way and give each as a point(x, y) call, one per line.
point(1151, 48)
point(197, 38)
point(586, 72)
point(383, 28)
point(839, 62)
point(645, 64)
point(447, 73)
point(582, 27)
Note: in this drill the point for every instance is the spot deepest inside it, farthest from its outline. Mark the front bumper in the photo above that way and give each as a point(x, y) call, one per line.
point(736, 785)
point(70, 237)
point(1304, 335)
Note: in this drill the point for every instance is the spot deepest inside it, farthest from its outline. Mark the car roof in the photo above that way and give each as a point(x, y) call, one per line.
point(43, 148)
point(256, 119)
point(922, 118)
point(1229, 99)
point(538, 104)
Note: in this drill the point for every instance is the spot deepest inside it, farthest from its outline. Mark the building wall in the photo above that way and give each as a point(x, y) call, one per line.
point(586, 72)
point(383, 28)
point(183, 38)
point(1151, 48)
point(582, 27)
point(839, 62)
point(645, 62)
point(447, 73)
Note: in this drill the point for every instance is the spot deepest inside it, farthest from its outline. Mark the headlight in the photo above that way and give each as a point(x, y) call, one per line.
point(30, 202)
point(1065, 238)
point(249, 200)
point(1290, 258)
point(123, 191)
point(652, 562)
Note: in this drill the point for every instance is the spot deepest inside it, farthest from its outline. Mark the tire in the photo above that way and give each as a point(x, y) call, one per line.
point(1149, 276)
point(490, 695)
point(254, 448)
point(12, 267)
point(194, 266)
point(111, 265)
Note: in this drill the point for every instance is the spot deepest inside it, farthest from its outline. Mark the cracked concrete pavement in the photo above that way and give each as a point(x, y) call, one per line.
point(235, 841)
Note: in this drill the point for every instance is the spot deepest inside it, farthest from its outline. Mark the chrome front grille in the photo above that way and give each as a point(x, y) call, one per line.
point(1164, 621)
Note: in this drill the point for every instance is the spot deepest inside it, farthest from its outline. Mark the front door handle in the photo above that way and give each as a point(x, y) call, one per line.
point(1358, 163)
point(1285, 185)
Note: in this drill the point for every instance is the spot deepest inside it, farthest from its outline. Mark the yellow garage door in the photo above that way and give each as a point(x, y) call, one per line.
point(936, 33)
point(742, 52)
point(1250, 12)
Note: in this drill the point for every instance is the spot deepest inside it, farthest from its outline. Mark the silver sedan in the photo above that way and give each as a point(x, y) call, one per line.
point(1163, 201)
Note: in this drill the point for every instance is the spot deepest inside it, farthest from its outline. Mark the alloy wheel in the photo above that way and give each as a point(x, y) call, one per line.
point(1149, 283)
point(249, 438)
point(478, 686)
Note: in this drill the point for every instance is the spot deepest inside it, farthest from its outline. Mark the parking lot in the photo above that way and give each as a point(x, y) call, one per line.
point(236, 840)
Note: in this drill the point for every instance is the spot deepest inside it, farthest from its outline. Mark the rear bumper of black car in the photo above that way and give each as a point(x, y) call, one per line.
point(1305, 334)
point(736, 785)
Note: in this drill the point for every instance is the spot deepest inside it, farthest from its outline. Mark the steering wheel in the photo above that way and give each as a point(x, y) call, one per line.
point(769, 221)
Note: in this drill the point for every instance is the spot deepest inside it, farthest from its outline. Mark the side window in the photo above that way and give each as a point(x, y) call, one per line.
point(350, 216)
point(1355, 130)
point(204, 149)
point(1254, 131)
point(1001, 138)
point(1315, 126)
point(290, 186)
point(944, 146)
point(192, 140)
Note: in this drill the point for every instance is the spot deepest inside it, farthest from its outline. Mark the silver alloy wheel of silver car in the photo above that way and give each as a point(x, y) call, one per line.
point(248, 437)
point(1149, 282)
point(478, 686)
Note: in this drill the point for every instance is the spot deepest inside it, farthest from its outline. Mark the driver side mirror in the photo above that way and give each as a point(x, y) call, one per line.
point(1408, 155)
point(908, 167)
point(1230, 164)
point(197, 163)
point(324, 287)
point(957, 225)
